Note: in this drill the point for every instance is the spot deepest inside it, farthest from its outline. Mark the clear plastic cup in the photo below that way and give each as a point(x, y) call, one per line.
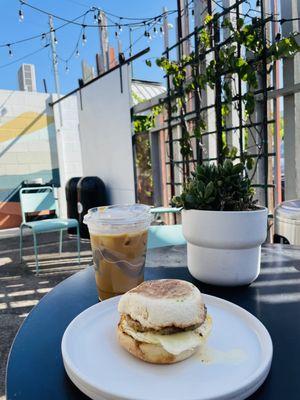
point(119, 243)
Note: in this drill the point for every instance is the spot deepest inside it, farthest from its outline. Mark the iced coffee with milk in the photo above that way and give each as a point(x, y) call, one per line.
point(119, 243)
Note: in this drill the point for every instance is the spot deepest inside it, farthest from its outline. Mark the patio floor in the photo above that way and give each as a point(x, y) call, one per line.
point(21, 289)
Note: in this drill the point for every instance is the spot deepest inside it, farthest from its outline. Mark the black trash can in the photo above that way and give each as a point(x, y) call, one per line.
point(91, 193)
point(71, 197)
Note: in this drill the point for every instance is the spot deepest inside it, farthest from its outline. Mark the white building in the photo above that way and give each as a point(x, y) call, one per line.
point(26, 77)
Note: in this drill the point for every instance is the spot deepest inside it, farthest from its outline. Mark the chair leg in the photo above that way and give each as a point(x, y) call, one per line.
point(21, 243)
point(36, 254)
point(60, 240)
point(78, 243)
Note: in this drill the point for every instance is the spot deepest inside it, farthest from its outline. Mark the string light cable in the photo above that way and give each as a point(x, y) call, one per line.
point(25, 56)
point(42, 35)
point(93, 9)
point(118, 25)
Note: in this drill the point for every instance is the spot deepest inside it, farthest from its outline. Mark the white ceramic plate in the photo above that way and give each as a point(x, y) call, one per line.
point(237, 358)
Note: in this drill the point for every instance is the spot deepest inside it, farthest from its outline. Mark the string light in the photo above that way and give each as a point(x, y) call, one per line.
point(84, 38)
point(95, 18)
point(67, 69)
point(21, 15)
point(161, 31)
point(10, 53)
point(136, 20)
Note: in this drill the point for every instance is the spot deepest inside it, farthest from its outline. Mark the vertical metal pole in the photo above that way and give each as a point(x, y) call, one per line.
point(264, 105)
point(240, 106)
point(278, 190)
point(179, 26)
point(197, 102)
point(291, 106)
point(185, 159)
point(169, 113)
point(55, 63)
point(170, 133)
point(59, 123)
point(130, 50)
point(130, 42)
point(234, 118)
point(218, 94)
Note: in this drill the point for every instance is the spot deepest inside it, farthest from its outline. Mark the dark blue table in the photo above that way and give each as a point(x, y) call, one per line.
point(35, 369)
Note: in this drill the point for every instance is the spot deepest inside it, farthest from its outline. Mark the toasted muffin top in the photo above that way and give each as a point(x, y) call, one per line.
point(164, 288)
point(164, 303)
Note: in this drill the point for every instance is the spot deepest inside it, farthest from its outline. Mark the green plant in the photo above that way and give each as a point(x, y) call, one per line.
point(191, 74)
point(224, 187)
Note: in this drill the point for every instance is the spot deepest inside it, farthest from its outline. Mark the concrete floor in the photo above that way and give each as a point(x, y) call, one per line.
point(21, 288)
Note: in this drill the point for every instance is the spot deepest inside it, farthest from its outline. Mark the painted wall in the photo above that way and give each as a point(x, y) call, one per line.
point(105, 134)
point(68, 145)
point(28, 148)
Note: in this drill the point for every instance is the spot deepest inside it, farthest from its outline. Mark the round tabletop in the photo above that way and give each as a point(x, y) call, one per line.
point(35, 368)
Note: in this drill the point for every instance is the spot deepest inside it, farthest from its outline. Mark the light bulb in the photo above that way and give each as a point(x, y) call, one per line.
point(77, 54)
point(55, 40)
point(84, 39)
point(21, 15)
point(10, 53)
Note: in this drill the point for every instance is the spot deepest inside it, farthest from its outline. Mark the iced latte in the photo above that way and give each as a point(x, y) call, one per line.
point(119, 243)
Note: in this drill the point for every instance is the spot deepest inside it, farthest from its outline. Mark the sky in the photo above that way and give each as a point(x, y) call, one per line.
point(35, 23)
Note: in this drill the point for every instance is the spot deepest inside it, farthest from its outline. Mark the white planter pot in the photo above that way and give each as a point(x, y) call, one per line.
point(223, 247)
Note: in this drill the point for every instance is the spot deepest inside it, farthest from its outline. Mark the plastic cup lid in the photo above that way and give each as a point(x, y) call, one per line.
point(118, 215)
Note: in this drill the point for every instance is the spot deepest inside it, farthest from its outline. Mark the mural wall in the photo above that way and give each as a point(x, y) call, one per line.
point(28, 148)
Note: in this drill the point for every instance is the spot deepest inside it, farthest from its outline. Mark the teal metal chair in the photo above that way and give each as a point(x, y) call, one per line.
point(35, 199)
point(165, 235)
point(157, 211)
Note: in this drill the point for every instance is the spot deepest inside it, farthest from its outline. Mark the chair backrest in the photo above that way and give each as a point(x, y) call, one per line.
point(34, 199)
point(165, 235)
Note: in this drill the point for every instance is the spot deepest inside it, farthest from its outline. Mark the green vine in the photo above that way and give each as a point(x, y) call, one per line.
point(143, 125)
point(187, 78)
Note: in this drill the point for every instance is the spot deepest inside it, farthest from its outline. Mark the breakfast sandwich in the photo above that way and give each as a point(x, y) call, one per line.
point(163, 321)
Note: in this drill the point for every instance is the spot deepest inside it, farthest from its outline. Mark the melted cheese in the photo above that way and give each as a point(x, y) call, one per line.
point(175, 343)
